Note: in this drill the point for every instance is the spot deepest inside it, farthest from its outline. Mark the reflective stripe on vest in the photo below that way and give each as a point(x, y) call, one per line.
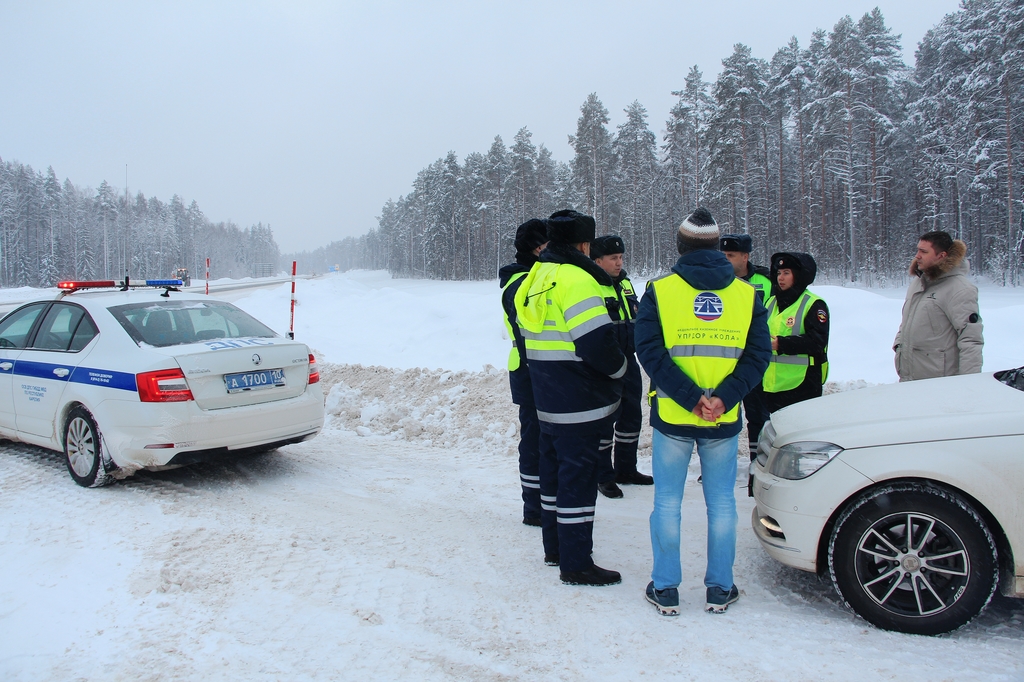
point(624, 293)
point(578, 417)
point(705, 333)
point(786, 372)
point(514, 359)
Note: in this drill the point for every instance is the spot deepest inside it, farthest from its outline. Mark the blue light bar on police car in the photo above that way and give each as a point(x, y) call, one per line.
point(155, 282)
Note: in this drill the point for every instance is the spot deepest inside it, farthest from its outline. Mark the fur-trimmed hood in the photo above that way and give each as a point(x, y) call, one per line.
point(955, 257)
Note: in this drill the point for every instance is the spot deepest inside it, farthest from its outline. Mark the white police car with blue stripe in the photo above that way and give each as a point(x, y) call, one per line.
point(131, 375)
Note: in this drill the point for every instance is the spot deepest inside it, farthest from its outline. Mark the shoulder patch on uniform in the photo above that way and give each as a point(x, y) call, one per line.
point(822, 316)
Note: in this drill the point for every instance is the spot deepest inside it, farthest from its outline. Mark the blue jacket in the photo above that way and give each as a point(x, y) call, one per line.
point(709, 270)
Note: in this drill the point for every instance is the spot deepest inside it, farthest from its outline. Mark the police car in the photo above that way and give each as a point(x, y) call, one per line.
point(131, 375)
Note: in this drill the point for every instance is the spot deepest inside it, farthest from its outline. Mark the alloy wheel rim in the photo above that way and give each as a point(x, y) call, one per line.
point(912, 564)
point(81, 447)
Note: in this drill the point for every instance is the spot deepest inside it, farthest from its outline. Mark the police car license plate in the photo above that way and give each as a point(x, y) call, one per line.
point(254, 381)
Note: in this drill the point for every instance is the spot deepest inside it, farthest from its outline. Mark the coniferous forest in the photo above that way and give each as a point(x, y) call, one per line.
point(52, 231)
point(834, 146)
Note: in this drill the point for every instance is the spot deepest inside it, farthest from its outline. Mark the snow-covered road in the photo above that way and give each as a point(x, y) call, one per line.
point(366, 558)
point(390, 547)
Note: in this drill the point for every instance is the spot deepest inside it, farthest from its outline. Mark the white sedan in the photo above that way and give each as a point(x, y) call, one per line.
point(122, 379)
point(910, 495)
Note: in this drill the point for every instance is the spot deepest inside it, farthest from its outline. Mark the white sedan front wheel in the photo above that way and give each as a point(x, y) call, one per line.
point(83, 450)
point(913, 558)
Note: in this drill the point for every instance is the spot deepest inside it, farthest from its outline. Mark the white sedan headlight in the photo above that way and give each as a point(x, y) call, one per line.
point(799, 460)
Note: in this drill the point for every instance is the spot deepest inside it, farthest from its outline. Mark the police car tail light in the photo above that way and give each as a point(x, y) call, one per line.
point(314, 371)
point(163, 386)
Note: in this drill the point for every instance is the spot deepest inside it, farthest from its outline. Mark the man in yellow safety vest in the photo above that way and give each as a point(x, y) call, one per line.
point(702, 337)
point(608, 252)
point(576, 367)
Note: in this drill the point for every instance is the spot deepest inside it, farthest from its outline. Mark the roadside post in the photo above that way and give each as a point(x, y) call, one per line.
point(207, 275)
point(291, 324)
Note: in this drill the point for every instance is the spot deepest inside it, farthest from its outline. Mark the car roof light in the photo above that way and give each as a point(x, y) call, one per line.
point(68, 287)
point(91, 284)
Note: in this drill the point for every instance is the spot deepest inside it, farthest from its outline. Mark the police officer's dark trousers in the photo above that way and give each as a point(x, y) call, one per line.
point(756, 414)
point(568, 489)
point(626, 433)
point(628, 419)
point(529, 460)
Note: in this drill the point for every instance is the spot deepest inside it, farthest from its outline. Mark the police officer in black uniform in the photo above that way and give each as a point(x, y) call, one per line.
point(531, 238)
point(737, 248)
point(607, 252)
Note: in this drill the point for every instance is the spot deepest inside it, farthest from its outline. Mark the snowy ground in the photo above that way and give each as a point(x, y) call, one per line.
point(390, 546)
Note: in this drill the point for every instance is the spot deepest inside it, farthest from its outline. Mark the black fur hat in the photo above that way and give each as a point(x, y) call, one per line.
point(802, 264)
point(530, 235)
point(606, 246)
point(571, 227)
point(736, 242)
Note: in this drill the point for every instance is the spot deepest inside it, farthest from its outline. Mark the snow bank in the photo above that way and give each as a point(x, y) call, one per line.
point(445, 409)
point(430, 407)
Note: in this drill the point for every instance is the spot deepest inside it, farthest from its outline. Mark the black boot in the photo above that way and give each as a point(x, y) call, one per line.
point(634, 478)
point(595, 575)
point(610, 490)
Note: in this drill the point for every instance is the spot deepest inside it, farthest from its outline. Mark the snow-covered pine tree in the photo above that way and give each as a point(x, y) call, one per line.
point(637, 174)
point(593, 163)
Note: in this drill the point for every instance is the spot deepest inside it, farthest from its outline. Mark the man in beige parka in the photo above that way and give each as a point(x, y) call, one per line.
point(941, 331)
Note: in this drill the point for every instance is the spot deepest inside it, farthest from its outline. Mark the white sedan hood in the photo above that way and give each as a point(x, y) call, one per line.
point(961, 407)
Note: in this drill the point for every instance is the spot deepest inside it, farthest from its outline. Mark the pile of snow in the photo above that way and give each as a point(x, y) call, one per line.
point(439, 408)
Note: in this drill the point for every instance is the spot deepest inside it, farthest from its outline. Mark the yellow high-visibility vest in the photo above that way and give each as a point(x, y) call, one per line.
point(556, 304)
point(548, 322)
point(514, 356)
point(705, 333)
point(786, 372)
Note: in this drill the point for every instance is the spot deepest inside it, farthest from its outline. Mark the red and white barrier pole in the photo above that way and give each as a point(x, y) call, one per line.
point(291, 324)
point(207, 276)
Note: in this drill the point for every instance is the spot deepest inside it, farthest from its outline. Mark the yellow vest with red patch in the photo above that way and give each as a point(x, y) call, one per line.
point(786, 372)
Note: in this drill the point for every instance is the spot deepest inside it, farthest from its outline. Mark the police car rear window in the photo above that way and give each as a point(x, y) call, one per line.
point(174, 323)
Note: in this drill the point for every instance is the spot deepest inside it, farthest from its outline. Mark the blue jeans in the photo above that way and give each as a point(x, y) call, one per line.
point(671, 457)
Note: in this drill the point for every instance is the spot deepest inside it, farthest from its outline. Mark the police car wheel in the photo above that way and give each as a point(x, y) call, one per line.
point(83, 450)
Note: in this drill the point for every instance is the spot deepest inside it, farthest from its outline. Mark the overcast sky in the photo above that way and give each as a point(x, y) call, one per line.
point(309, 116)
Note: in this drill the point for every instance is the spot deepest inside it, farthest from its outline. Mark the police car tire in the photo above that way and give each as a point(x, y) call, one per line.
point(83, 445)
point(949, 526)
